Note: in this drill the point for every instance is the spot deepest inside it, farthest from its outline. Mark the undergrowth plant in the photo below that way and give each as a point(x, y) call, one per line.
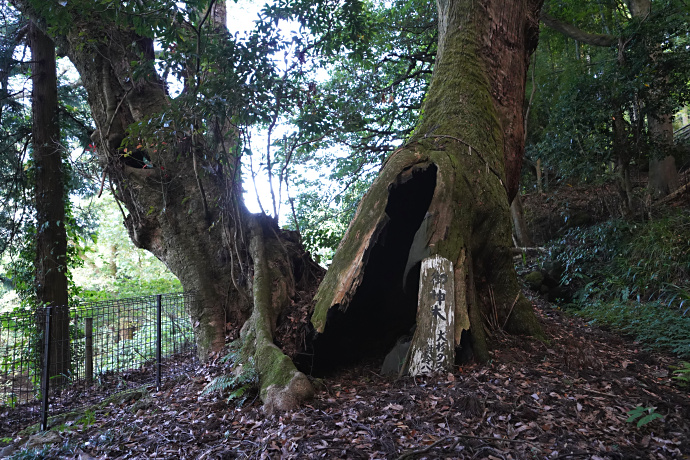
point(682, 375)
point(651, 323)
point(634, 277)
point(639, 260)
point(639, 413)
point(38, 453)
point(240, 380)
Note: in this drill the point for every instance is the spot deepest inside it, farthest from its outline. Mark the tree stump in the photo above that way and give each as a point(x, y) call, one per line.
point(433, 344)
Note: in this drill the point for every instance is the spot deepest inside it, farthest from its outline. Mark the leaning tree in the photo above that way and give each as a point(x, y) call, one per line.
point(175, 173)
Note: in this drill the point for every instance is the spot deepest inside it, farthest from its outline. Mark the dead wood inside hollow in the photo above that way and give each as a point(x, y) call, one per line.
point(380, 310)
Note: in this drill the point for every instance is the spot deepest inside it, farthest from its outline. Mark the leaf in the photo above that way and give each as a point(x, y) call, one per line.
point(635, 413)
point(648, 418)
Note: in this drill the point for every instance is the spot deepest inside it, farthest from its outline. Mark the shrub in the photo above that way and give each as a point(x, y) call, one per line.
point(634, 277)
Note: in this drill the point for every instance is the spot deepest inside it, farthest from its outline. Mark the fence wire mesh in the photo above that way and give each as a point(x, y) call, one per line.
point(95, 348)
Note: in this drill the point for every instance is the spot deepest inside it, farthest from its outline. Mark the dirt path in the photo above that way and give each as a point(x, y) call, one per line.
point(568, 398)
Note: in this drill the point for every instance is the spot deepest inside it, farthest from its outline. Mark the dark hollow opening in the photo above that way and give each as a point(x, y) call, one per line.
point(138, 158)
point(380, 311)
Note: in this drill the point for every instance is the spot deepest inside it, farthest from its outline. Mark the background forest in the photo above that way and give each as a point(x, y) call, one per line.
point(327, 99)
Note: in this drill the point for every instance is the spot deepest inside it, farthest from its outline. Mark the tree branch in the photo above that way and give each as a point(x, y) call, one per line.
point(573, 32)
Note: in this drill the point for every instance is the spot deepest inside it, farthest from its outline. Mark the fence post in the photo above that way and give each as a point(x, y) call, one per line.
point(88, 365)
point(159, 305)
point(45, 383)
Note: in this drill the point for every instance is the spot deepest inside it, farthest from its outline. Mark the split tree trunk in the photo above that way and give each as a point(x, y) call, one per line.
point(446, 192)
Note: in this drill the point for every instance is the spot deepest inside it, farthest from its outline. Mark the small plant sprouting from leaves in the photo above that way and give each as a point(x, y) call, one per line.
point(682, 375)
point(88, 419)
point(239, 381)
point(639, 413)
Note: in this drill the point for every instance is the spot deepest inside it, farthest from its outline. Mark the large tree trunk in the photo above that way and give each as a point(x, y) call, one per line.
point(186, 210)
point(444, 193)
point(51, 236)
point(185, 206)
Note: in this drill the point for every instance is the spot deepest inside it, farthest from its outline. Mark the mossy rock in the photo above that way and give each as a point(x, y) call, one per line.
point(534, 279)
point(554, 272)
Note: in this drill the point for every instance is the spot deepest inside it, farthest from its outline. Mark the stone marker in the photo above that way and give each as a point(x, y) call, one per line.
point(433, 345)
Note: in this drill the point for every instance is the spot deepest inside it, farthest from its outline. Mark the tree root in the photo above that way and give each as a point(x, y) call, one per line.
point(282, 386)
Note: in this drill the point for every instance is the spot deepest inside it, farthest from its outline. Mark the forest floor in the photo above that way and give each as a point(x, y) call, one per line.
point(568, 397)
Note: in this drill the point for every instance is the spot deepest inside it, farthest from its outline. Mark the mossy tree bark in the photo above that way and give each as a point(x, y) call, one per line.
point(282, 386)
point(450, 184)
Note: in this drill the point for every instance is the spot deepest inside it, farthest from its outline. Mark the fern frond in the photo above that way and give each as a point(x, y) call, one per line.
point(220, 383)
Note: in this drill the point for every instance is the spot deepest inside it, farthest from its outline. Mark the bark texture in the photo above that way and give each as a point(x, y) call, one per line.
point(451, 177)
point(621, 151)
point(282, 386)
point(51, 236)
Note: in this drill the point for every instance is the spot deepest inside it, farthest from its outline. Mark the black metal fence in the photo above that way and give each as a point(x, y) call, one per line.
point(90, 342)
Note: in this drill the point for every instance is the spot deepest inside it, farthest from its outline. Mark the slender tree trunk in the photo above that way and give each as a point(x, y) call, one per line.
point(663, 174)
point(621, 150)
point(540, 187)
point(446, 192)
point(112, 263)
point(520, 230)
point(51, 237)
